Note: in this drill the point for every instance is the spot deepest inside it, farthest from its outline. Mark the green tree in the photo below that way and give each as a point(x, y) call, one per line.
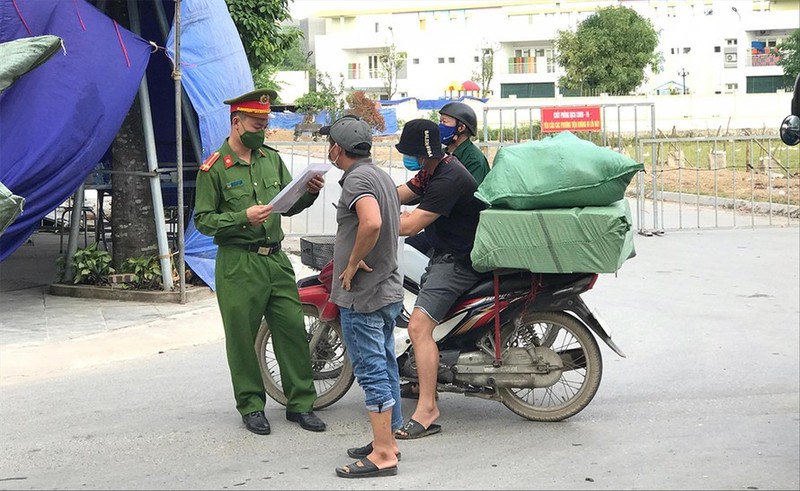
point(329, 96)
point(259, 24)
point(789, 49)
point(296, 57)
point(485, 71)
point(391, 61)
point(608, 52)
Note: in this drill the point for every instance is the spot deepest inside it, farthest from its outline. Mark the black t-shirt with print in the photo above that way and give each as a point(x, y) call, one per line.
point(449, 192)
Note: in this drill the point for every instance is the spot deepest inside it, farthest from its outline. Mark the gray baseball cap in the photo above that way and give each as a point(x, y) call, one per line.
point(351, 133)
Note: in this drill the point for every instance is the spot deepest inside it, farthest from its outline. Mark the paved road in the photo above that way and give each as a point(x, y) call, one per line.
point(708, 398)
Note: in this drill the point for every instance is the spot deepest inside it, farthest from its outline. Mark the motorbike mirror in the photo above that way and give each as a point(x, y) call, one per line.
point(790, 130)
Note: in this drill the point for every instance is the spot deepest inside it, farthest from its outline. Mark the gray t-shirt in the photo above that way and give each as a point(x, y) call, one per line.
point(384, 285)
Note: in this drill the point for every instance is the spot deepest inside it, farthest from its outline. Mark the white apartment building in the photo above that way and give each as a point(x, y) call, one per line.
point(714, 46)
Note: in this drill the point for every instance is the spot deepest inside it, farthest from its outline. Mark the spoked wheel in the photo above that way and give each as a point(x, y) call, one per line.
point(333, 373)
point(580, 376)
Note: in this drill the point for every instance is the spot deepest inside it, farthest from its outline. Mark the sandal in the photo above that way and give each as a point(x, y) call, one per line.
point(414, 429)
point(407, 391)
point(366, 469)
point(362, 452)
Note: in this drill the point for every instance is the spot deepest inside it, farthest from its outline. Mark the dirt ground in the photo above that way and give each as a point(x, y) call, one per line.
point(744, 183)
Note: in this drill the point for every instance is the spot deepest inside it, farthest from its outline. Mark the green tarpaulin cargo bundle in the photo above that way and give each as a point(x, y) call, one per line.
point(590, 239)
point(556, 206)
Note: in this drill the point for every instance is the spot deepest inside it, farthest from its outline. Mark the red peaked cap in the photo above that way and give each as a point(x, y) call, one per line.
point(255, 103)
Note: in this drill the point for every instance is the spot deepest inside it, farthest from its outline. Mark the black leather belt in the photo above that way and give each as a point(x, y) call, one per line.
point(261, 249)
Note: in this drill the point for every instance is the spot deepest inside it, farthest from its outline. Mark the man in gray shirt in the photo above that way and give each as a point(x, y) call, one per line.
point(367, 287)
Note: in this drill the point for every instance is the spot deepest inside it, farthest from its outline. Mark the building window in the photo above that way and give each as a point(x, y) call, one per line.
point(686, 50)
point(377, 27)
point(731, 42)
point(476, 59)
point(415, 61)
point(373, 66)
point(441, 60)
point(353, 71)
point(717, 49)
point(451, 59)
point(551, 61)
point(522, 62)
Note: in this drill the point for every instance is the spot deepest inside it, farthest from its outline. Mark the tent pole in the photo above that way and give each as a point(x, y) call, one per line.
point(191, 124)
point(74, 231)
point(176, 74)
point(152, 165)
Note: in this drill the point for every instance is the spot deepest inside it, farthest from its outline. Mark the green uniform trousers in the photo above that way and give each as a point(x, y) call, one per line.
point(249, 287)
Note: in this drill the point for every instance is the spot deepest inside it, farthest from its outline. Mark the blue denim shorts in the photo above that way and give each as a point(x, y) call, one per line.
point(369, 338)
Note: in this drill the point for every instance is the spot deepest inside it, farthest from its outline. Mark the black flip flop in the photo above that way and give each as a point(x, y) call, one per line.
point(362, 452)
point(366, 469)
point(414, 429)
point(407, 391)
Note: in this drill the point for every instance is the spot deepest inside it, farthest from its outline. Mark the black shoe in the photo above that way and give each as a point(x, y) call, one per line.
point(256, 422)
point(362, 452)
point(308, 420)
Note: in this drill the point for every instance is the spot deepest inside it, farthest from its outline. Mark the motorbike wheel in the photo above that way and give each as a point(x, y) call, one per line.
point(333, 373)
point(580, 378)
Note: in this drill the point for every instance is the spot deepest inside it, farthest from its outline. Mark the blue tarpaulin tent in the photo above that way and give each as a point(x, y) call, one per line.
point(215, 69)
point(58, 121)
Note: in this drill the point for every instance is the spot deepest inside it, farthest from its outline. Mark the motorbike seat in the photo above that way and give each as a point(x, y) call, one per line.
point(516, 280)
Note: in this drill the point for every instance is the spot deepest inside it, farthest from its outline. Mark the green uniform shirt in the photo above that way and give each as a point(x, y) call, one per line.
point(230, 186)
point(473, 159)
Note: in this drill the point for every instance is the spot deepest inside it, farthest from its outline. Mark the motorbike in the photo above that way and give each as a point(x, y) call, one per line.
point(526, 340)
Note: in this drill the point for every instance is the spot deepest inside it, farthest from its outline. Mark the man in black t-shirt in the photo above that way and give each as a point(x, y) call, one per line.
point(448, 211)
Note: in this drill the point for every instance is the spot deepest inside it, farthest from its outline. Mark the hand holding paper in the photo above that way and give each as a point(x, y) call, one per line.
point(291, 193)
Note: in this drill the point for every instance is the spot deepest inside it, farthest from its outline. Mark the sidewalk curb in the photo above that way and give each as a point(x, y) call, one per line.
point(31, 362)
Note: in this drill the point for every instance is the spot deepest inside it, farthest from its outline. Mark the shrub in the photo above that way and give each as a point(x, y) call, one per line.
point(367, 109)
point(146, 271)
point(91, 266)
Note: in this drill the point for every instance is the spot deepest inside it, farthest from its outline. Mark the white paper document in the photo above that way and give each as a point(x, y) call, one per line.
point(291, 193)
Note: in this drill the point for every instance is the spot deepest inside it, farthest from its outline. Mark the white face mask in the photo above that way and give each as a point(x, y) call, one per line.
point(333, 160)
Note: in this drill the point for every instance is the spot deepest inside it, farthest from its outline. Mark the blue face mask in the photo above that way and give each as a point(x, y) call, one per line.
point(448, 133)
point(411, 163)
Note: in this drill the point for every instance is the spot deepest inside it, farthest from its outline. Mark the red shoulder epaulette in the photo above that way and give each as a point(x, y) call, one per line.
point(209, 162)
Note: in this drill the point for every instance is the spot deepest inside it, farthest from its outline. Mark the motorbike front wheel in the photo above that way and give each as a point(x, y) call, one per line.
point(580, 376)
point(333, 373)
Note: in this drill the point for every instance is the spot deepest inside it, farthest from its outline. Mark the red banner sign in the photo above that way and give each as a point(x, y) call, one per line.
point(584, 118)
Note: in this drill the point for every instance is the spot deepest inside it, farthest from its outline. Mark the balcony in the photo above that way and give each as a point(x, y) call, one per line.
point(355, 72)
point(771, 59)
point(521, 64)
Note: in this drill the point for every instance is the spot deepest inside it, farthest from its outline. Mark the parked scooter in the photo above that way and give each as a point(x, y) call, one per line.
point(523, 339)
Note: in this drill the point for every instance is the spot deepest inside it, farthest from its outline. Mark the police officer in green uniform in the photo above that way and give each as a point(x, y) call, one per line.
point(254, 277)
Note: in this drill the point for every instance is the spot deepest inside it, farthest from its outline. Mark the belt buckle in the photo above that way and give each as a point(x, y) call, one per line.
point(264, 251)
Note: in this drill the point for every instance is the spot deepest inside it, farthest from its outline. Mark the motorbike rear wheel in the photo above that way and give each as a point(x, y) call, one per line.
point(580, 378)
point(333, 373)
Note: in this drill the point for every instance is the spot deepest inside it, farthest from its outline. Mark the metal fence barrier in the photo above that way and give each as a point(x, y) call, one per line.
point(688, 183)
point(716, 182)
